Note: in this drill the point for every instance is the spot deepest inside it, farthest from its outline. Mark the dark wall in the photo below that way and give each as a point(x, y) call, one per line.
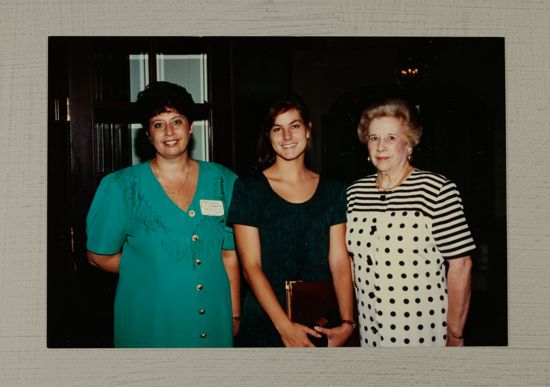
point(261, 71)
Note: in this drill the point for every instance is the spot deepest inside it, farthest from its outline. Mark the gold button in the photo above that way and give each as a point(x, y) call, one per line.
point(192, 213)
point(202, 311)
point(195, 237)
point(199, 287)
point(203, 335)
point(198, 261)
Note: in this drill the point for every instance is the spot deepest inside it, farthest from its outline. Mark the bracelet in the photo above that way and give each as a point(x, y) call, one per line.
point(456, 337)
point(350, 322)
point(238, 317)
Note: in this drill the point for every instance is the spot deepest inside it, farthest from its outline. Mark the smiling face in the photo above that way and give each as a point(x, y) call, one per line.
point(170, 133)
point(289, 135)
point(388, 146)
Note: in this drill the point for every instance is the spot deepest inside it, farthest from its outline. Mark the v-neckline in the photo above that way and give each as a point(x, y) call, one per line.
point(167, 197)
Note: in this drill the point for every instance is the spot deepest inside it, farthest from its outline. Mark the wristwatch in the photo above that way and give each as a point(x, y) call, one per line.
point(350, 322)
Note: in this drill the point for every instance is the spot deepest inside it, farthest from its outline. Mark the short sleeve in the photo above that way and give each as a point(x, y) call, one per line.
point(228, 182)
point(106, 220)
point(243, 209)
point(449, 227)
point(339, 204)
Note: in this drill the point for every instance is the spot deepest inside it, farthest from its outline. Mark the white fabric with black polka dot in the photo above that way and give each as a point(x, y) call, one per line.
point(398, 241)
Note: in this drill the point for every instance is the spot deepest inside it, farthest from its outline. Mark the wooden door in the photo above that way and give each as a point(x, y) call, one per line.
point(82, 149)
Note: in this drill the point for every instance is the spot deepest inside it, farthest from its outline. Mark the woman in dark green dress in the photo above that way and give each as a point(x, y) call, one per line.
point(289, 224)
point(161, 226)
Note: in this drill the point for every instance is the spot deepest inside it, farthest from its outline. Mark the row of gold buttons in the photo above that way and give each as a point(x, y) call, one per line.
point(195, 238)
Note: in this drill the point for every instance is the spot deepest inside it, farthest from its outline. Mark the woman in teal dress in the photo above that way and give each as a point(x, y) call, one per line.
point(289, 224)
point(162, 226)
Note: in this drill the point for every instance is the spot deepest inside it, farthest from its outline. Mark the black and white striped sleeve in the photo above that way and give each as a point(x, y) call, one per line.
point(449, 227)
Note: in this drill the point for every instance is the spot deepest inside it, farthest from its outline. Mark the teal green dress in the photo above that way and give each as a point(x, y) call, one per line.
point(294, 241)
point(173, 290)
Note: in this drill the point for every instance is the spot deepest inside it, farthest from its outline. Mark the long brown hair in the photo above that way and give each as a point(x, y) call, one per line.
point(264, 150)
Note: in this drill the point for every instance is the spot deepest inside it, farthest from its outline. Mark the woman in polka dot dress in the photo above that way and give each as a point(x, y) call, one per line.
point(408, 239)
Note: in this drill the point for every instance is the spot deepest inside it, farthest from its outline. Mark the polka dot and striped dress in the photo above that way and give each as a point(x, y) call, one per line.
point(399, 241)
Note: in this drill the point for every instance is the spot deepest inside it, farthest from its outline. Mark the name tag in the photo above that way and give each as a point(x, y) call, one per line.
point(211, 207)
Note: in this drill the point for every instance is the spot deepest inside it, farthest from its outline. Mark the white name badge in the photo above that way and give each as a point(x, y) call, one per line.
point(211, 207)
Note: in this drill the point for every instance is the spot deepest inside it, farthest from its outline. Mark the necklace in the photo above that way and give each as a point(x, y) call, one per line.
point(171, 192)
point(403, 177)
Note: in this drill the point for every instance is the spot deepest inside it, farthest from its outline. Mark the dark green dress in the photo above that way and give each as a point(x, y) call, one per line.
point(294, 243)
point(173, 290)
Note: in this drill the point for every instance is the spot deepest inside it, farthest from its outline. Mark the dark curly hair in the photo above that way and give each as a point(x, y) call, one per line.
point(158, 96)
